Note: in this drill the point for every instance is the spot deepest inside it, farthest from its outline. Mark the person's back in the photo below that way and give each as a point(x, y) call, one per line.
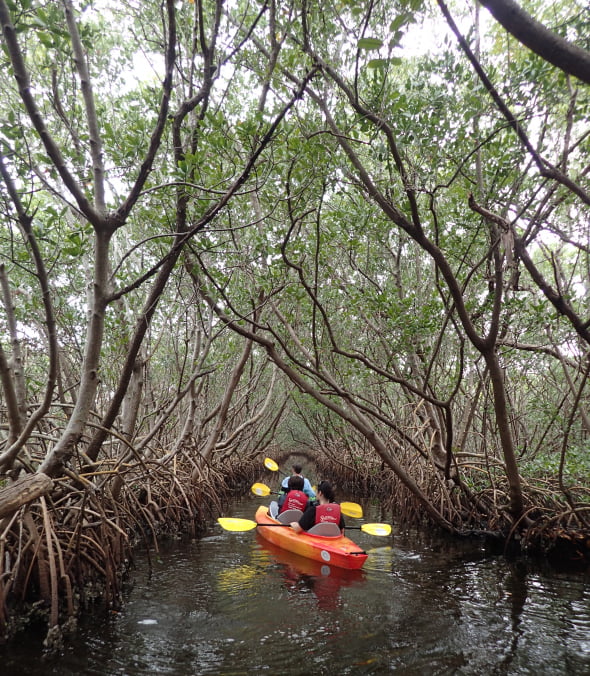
point(295, 498)
point(327, 511)
point(307, 488)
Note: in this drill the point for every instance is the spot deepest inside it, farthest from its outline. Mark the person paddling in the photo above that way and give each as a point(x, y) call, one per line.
point(307, 489)
point(295, 497)
point(327, 511)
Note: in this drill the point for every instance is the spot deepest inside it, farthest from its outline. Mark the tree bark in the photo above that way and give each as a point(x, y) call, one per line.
point(22, 492)
point(26, 425)
point(236, 375)
point(16, 361)
point(516, 506)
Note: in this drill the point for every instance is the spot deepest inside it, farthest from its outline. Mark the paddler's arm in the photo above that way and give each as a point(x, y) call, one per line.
point(306, 521)
point(308, 490)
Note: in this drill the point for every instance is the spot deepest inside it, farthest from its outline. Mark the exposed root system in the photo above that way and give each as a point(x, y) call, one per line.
point(61, 553)
point(552, 527)
point(72, 547)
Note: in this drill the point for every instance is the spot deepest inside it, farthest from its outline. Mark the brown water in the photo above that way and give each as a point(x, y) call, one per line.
point(229, 604)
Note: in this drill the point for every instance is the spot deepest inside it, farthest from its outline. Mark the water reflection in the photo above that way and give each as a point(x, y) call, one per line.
point(302, 576)
point(515, 589)
point(236, 579)
point(380, 559)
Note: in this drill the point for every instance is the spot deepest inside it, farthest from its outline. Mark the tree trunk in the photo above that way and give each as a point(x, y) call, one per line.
point(23, 491)
point(91, 363)
point(516, 506)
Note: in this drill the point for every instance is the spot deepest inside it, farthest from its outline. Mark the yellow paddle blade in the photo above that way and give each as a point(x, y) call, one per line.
point(351, 509)
point(260, 489)
point(271, 465)
point(376, 528)
point(228, 523)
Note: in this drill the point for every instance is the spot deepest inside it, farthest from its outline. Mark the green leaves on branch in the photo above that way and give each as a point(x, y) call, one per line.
point(370, 43)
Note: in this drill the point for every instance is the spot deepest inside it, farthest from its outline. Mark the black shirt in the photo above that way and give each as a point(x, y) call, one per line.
point(308, 518)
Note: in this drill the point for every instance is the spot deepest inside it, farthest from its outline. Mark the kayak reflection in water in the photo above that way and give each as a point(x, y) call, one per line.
point(302, 575)
point(326, 589)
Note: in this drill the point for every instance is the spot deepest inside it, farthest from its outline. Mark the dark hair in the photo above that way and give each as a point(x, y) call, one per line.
point(295, 483)
point(297, 469)
point(325, 487)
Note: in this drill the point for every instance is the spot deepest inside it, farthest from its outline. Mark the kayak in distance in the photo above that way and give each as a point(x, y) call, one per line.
point(335, 550)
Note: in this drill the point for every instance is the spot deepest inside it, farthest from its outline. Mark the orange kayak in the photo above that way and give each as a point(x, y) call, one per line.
point(336, 551)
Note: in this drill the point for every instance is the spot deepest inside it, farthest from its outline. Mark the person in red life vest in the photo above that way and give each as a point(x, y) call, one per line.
point(326, 511)
point(295, 497)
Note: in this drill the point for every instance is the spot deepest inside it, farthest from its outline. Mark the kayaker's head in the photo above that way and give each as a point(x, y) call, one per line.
point(295, 483)
point(297, 469)
point(325, 490)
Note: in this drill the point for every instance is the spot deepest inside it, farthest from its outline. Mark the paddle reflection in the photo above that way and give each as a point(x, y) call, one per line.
point(237, 579)
point(302, 575)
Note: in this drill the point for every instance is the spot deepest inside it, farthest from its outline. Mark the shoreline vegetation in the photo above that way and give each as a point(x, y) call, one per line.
point(70, 547)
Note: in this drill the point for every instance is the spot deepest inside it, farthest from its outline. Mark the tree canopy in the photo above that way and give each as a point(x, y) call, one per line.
point(360, 229)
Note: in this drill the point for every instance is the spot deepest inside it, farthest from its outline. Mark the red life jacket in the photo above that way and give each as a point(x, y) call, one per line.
point(329, 513)
point(294, 500)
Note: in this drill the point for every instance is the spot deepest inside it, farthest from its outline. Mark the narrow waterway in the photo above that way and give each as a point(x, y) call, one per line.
point(231, 604)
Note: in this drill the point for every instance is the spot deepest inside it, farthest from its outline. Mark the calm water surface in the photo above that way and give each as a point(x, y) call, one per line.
point(230, 604)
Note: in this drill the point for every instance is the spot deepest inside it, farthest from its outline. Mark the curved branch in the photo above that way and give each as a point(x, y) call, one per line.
point(548, 45)
point(559, 302)
point(546, 169)
point(91, 116)
point(21, 76)
point(25, 223)
point(146, 166)
point(351, 414)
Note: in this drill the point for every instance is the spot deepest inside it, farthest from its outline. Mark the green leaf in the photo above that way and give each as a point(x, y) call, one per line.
point(399, 21)
point(370, 43)
point(380, 64)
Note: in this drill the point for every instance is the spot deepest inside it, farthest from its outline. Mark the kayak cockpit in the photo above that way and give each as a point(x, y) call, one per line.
point(329, 530)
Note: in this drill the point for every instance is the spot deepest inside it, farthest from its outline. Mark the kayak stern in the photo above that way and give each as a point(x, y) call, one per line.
point(338, 551)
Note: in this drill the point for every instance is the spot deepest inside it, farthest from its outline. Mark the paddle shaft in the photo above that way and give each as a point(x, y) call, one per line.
point(246, 524)
point(288, 525)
